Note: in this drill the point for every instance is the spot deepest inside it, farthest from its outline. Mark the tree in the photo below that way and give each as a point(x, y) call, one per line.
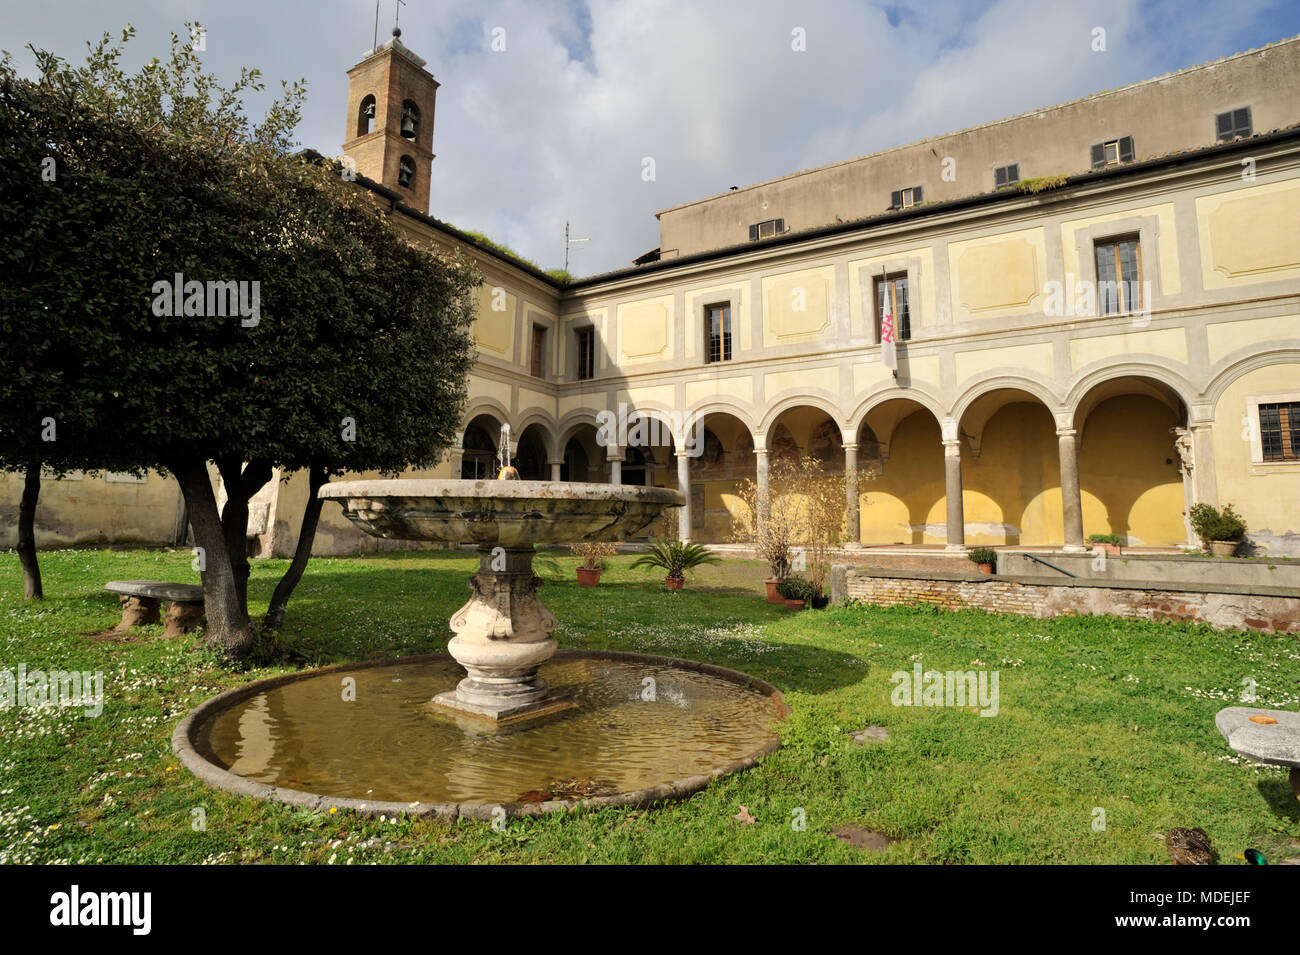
point(804, 519)
point(350, 346)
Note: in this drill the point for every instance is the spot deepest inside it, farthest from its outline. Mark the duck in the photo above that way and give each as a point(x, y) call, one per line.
point(1189, 846)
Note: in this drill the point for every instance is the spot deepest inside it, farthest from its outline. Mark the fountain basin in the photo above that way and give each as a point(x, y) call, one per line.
point(294, 739)
point(508, 514)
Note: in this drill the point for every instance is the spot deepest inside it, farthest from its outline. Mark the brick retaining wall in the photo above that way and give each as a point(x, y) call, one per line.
point(1271, 610)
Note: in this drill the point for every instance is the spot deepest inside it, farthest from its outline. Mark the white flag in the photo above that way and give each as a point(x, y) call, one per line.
point(888, 348)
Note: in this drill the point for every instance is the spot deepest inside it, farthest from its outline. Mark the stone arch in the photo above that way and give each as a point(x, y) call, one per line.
point(1030, 385)
point(1128, 369)
point(823, 404)
point(1224, 378)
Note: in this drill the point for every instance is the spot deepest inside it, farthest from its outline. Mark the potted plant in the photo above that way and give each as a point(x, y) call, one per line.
point(1221, 530)
point(985, 557)
point(593, 554)
point(795, 591)
point(1111, 543)
point(676, 557)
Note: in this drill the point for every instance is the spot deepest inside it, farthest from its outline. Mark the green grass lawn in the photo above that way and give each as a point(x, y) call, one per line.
point(1094, 713)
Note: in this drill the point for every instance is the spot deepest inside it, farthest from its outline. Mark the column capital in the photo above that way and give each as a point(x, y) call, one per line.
point(952, 449)
point(851, 446)
point(614, 453)
point(1066, 432)
point(683, 454)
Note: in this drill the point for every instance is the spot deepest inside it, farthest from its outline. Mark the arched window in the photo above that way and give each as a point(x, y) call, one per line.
point(366, 116)
point(405, 171)
point(410, 120)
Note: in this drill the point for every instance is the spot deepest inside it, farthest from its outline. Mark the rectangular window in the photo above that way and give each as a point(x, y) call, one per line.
point(767, 229)
point(1279, 431)
point(586, 353)
point(1112, 152)
point(906, 198)
point(538, 361)
point(1235, 122)
point(1006, 175)
point(718, 324)
point(1119, 270)
point(891, 299)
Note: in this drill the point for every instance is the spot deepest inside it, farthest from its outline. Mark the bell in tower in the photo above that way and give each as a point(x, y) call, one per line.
point(390, 97)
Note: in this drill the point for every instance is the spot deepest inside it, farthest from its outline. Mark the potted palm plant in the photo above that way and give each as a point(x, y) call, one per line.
point(675, 557)
point(985, 557)
point(1221, 530)
point(1111, 543)
point(593, 554)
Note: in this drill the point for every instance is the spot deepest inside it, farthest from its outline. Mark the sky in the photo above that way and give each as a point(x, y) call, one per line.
point(557, 126)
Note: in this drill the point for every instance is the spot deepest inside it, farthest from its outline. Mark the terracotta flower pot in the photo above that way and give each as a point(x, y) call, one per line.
point(772, 596)
point(986, 568)
point(794, 604)
point(1223, 548)
point(588, 576)
point(674, 583)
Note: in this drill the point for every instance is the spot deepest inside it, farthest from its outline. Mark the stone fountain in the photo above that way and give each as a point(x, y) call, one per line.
point(503, 633)
point(481, 732)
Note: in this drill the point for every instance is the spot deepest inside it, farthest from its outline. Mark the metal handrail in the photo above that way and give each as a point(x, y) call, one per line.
point(1046, 563)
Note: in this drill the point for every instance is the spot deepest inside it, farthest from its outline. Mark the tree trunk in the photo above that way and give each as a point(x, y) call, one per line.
point(302, 553)
point(32, 589)
point(227, 615)
point(241, 484)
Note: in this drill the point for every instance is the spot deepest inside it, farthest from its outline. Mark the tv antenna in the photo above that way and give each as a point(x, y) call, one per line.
point(397, 31)
point(568, 244)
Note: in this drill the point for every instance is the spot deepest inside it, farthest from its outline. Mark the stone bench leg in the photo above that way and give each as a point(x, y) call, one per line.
point(1295, 781)
point(137, 611)
point(182, 617)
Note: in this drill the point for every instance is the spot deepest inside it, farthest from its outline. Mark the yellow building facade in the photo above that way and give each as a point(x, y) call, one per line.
point(1088, 352)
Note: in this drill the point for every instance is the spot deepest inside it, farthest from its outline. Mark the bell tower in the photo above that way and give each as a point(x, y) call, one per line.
point(390, 120)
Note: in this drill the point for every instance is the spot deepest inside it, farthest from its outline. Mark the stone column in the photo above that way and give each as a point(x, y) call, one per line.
point(455, 456)
point(853, 522)
point(615, 466)
point(555, 470)
point(760, 479)
point(1071, 499)
point(952, 495)
point(1207, 490)
point(684, 486)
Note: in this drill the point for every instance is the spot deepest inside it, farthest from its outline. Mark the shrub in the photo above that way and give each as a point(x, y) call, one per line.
point(1105, 539)
point(797, 588)
point(593, 553)
point(1213, 524)
point(983, 555)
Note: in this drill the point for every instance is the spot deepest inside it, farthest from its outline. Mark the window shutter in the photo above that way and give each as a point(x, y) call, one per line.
point(780, 226)
point(999, 177)
point(1126, 149)
point(896, 199)
point(753, 233)
point(1098, 155)
point(1013, 173)
point(916, 196)
point(1241, 121)
point(1223, 126)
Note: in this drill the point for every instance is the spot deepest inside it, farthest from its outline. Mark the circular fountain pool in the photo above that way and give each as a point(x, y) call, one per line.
point(365, 737)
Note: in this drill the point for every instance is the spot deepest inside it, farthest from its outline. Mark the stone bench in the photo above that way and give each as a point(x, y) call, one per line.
point(141, 599)
point(1272, 737)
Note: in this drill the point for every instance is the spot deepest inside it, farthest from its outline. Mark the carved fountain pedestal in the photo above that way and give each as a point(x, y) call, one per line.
point(503, 634)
